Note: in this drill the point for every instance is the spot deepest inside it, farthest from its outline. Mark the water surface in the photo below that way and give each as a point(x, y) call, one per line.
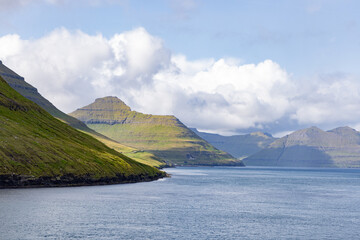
point(195, 203)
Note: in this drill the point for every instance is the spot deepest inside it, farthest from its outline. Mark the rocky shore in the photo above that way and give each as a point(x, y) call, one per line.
point(23, 181)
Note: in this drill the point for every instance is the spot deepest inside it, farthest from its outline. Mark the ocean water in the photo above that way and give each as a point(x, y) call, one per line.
point(195, 203)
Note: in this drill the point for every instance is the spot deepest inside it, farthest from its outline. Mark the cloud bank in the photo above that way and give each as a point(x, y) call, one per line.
point(72, 68)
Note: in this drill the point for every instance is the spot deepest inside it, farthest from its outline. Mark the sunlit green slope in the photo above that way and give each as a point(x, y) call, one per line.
point(164, 136)
point(37, 149)
point(21, 86)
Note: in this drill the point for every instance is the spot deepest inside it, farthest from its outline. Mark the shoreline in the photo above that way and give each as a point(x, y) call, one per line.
point(13, 181)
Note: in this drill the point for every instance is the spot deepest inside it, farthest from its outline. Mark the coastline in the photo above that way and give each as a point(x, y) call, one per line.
point(71, 180)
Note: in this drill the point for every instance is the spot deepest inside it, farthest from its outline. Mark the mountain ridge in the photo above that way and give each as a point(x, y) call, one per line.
point(165, 136)
point(240, 146)
point(20, 85)
point(312, 147)
point(37, 149)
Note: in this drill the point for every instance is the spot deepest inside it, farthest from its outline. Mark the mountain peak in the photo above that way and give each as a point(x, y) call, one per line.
point(343, 129)
point(163, 135)
point(312, 147)
point(261, 134)
point(313, 128)
point(346, 132)
point(311, 132)
point(109, 103)
point(109, 98)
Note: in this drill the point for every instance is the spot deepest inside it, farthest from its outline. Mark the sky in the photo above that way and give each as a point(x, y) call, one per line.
point(228, 67)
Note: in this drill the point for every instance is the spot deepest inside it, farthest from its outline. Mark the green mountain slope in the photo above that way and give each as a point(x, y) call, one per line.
point(138, 155)
point(312, 147)
point(164, 136)
point(37, 149)
point(21, 86)
point(239, 146)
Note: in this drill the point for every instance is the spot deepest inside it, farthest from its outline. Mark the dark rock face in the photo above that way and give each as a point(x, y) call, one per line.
point(21, 181)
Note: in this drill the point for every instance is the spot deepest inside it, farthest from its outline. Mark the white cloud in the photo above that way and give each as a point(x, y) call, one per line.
point(331, 99)
point(11, 45)
point(72, 68)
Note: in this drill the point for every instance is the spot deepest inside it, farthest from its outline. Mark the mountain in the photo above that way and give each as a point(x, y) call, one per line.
point(164, 136)
point(312, 147)
point(21, 86)
point(36, 149)
point(239, 146)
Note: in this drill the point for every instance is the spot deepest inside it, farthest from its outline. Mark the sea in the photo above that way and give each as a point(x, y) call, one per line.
point(194, 203)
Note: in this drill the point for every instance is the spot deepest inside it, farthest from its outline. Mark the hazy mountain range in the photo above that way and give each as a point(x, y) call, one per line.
point(312, 147)
point(239, 146)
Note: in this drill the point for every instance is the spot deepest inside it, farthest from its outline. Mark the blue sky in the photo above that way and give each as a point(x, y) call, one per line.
point(304, 36)
point(311, 40)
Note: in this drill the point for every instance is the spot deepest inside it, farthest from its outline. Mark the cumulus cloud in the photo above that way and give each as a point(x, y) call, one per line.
point(72, 68)
point(333, 100)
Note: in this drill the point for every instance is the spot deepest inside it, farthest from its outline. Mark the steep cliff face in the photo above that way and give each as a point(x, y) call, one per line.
point(164, 136)
point(312, 147)
point(38, 150)
point(19, 84)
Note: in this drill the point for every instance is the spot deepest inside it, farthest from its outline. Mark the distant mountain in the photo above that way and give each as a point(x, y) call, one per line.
point(164, 136)
point(312, 147)
point(239, 146)
point(21, 86)
point(37, 149)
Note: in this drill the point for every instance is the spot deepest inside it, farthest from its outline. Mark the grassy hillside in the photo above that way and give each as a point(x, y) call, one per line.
point(21, 86)
point(240, 146)
point(164, 136)
point(138, 155)
point(37, 149)
point(312, 147)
